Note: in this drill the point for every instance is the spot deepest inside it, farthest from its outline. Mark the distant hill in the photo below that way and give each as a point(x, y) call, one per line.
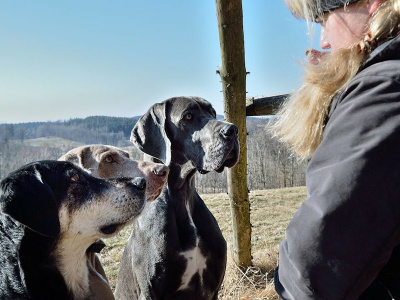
point(90, 130)
point(269, 163)
point(109, 124)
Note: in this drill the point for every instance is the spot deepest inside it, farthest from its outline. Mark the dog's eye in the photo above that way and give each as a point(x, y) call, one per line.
point(109, 159)
point(188, 116)
point(75, 177)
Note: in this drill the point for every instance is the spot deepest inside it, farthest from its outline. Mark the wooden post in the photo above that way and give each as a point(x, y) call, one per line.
point(233, 75)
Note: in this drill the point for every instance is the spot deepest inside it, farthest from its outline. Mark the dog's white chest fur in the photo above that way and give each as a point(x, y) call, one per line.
point(195, 261)
point(73, 267)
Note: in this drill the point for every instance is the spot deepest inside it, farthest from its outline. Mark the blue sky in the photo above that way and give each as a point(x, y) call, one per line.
point(73, 59)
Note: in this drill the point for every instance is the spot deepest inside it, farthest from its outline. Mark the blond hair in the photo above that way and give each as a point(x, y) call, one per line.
point(304, 114)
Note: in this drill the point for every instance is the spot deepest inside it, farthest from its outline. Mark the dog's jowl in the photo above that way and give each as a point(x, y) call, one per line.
point(51, 212)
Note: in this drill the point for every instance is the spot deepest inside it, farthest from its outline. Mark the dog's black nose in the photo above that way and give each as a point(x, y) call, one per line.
point(160, 170)
point(139, 183)
point(229, 130)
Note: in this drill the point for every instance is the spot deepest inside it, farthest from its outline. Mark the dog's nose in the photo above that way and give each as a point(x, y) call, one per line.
point(139, 183)
point(160, 170)
point(229, 130)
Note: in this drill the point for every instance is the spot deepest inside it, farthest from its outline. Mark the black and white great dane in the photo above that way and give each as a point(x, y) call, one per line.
point(176, 250)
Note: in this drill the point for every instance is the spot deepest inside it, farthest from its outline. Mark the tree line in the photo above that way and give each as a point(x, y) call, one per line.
point(96, 129)
point(269, 165)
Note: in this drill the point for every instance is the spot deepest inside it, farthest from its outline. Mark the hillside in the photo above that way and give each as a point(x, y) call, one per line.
point(269, 163)
point(51, 142)
point(90, 130)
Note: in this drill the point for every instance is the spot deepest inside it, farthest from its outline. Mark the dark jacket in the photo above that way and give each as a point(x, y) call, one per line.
point(343, 235)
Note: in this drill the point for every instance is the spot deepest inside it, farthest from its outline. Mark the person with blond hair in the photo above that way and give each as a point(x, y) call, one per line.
point(344, 241)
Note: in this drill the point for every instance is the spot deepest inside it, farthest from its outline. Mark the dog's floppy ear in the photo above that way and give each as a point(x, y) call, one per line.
point(149, 133)
point(71, 157)
point(27, 199)
point(79, 157)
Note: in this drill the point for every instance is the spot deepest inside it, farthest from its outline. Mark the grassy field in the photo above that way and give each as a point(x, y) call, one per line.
point(52, 142)
point(271, 210)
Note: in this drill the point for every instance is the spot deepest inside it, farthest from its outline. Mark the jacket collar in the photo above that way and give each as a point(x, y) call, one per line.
point(389, 50)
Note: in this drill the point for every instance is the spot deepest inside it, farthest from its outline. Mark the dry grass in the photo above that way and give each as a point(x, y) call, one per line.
point(55, 142)
point(271, 210)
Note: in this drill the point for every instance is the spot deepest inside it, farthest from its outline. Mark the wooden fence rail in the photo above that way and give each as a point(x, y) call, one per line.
point(264, 106)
